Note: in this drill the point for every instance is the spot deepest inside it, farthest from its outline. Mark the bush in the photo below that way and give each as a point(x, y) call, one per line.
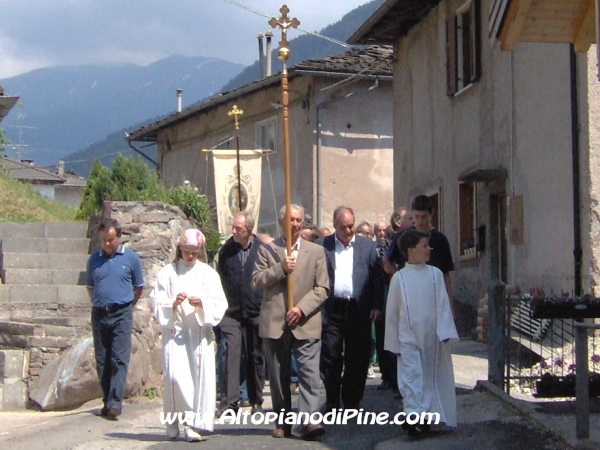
point(131, 180)
point(196, 207)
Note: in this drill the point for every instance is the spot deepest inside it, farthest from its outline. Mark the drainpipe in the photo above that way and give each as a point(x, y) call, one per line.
point(319, 183)
point(577, 253)
point(512, 250)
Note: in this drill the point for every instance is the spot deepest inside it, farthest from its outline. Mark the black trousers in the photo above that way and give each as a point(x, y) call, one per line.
point(242, 336)
point(346, 346)
point(387, 360)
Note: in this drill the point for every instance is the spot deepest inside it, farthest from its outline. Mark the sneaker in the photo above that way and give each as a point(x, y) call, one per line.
point(370, 373)
point(192, 435)
point(173, 430)
point(220, 411)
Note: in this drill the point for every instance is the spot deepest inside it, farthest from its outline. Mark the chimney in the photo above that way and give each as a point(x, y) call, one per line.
point(60, 168)
point(179, 91)
point(261, 56)
point(268, 69)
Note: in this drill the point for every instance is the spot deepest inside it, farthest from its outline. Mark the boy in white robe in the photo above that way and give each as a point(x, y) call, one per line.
point(188, 300)
point(418, 329)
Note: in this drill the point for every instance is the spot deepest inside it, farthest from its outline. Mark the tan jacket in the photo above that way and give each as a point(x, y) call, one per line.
point(311, 288)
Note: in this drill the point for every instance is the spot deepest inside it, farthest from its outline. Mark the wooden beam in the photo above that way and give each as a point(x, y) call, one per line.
point(515, 18)
point(586, 34)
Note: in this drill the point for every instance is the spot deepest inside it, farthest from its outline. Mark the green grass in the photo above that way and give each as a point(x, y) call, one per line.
point(19, 203)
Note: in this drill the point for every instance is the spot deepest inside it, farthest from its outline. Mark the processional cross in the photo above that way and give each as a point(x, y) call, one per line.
point(235, 112)
point(284, 22)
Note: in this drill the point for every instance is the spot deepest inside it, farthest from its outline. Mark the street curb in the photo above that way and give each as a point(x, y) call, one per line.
point(529, 412)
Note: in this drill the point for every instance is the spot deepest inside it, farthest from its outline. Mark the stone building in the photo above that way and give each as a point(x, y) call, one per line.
point(340, 121)
point(503, 141)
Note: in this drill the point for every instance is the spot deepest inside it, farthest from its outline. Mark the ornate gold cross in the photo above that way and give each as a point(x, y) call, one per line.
point(235, 112)
point(284, 22)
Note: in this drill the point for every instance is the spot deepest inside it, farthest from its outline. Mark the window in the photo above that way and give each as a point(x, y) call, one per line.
point(266, 134)
point(463, 47)
point(466, 219)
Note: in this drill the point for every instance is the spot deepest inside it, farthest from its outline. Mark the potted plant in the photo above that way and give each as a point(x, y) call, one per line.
point(551, 385)
point(565, 307)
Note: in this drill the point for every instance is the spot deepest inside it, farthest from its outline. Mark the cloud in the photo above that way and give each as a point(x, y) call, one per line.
point(43, 33)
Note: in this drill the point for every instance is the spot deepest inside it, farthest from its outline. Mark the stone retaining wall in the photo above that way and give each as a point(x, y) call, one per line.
point(50, 330)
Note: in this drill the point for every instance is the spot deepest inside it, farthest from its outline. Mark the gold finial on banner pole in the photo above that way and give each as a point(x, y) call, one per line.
point(284, 22)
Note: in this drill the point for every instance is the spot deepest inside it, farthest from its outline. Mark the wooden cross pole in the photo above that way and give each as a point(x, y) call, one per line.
point(284, 22)
point(235, 112)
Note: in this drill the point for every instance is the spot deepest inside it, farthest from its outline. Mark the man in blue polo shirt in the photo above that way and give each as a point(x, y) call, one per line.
point(114, 282)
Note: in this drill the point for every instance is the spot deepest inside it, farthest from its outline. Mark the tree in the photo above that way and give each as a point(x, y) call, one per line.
point(3, 141)
point(132, 180)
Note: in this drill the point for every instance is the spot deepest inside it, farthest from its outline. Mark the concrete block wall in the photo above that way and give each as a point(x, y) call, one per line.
point(44, 305)
point(14, 366)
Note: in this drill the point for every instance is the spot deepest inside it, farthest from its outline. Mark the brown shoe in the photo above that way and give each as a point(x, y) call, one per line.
point(312, 432)
point(113, 413)
point(281, 432)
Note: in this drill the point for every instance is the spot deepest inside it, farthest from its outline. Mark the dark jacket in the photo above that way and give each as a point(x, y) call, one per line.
point(367, 275)
point(244, 302)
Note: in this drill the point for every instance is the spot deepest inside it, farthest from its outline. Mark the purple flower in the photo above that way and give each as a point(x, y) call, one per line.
point(571, 367)
point(595, 358)
point(543, 364)
point(569, 299)
point(558, 362)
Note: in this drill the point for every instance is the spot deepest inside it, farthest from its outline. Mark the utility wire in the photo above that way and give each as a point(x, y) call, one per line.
point(334, 41)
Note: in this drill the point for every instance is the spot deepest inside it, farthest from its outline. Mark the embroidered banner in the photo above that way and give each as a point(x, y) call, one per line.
point(226, 185)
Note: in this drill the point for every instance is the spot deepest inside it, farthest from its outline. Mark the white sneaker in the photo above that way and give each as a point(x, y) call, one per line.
point(192, 435)
point(370, 373)
point(173, 430)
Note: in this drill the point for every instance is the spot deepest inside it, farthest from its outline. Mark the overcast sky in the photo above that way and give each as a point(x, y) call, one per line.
point(46, 33)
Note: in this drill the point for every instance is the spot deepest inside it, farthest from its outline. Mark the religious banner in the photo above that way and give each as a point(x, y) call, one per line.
point(227, 192)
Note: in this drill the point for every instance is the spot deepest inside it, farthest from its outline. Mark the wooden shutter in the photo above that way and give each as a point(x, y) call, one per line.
point(476, 39)
point(451, 56)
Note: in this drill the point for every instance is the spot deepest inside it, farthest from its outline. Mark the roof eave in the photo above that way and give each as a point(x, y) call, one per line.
point(358, 37)
point(150, 133)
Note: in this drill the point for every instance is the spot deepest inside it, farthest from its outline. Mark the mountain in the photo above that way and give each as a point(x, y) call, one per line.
point(69, 108)
point(146, 99)
point(311, 47)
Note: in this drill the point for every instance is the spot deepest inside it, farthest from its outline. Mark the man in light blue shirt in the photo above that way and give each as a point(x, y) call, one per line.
point(114, 281)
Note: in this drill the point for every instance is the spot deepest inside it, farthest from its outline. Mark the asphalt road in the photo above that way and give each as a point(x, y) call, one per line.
point(485, 422)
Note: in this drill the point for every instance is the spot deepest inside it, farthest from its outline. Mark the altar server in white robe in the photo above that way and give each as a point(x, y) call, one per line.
point(419, 327)
point(188, 300)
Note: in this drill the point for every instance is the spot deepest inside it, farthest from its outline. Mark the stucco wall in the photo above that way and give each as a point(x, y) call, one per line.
point(356, 161)
point(46, 191)
point(516, 117)
point(70, 196)
point(590, 163)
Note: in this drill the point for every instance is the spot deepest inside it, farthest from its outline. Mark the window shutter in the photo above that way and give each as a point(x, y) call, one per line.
point(451, 56)
point(476, 39)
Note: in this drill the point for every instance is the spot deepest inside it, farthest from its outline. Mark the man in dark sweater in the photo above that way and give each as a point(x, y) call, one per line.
point(239, 327)
point(440, 257)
